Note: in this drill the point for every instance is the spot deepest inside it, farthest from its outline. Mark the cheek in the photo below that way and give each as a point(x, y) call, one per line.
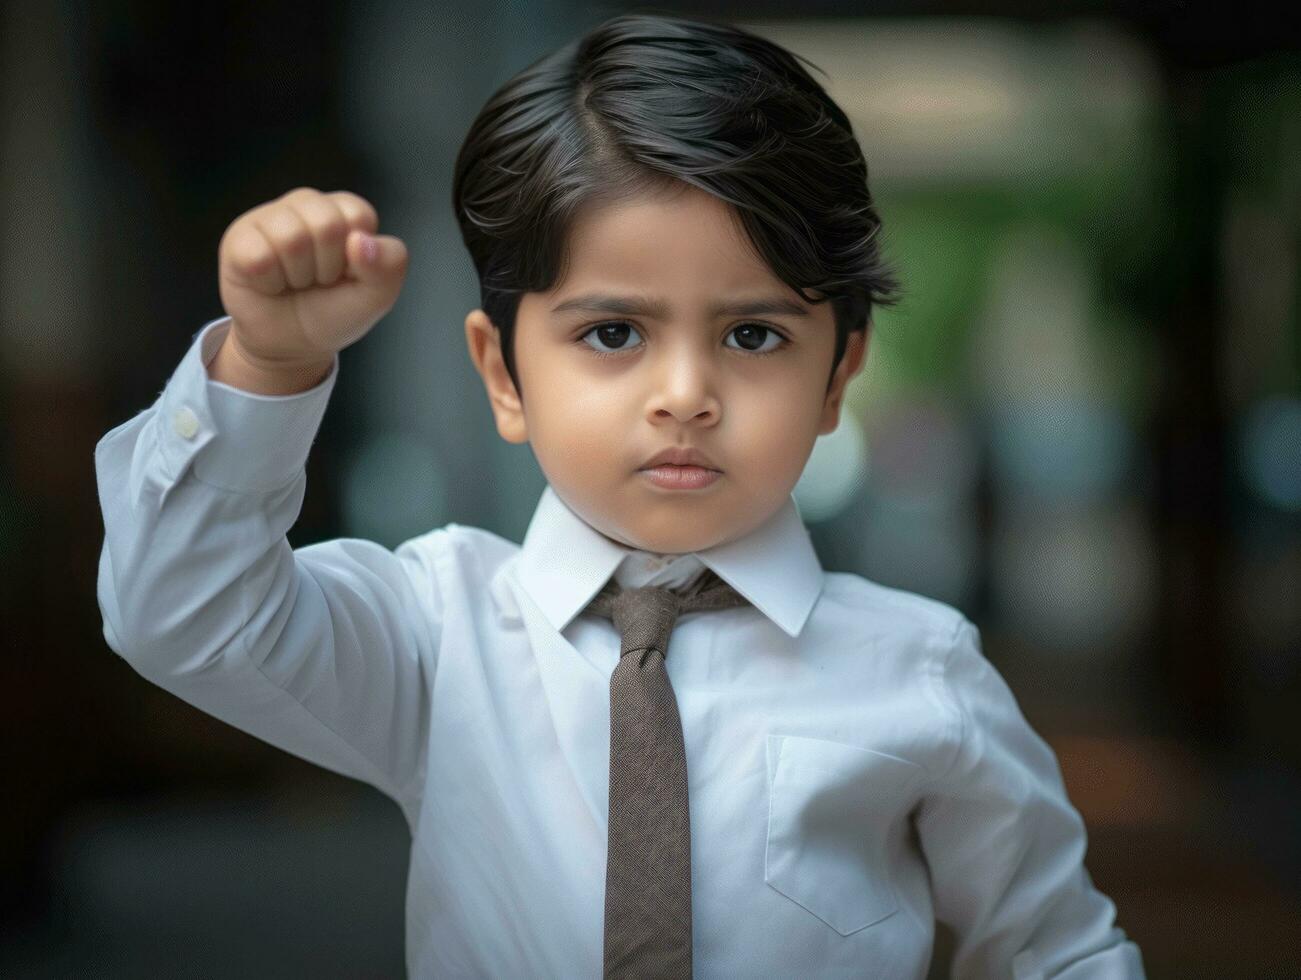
point(574, 426)
point(778, 421)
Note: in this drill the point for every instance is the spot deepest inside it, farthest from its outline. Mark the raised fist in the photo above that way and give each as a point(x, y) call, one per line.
point(305, 275)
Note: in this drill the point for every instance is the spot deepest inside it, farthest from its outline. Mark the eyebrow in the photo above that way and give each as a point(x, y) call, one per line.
point(658, 309)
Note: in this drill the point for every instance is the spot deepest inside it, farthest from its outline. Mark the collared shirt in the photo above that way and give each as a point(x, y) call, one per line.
point(857, 768)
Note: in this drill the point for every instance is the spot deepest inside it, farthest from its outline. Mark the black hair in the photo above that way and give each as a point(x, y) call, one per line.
point(641, 103)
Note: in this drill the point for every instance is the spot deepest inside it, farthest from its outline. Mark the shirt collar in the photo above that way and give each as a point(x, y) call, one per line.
point(564, 562)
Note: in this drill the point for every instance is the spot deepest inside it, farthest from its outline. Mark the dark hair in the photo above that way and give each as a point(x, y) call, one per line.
point(645, 102)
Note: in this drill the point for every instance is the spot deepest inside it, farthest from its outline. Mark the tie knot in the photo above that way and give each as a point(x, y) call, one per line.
point(645, 615)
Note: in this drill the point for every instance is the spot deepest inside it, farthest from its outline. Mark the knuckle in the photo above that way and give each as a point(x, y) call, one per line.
point(251, 260)
point(244, 248)
point(286, 230)
point(295, 240)
point(356, 206)
point(236, 231)
point(349, 197)
point(331, 228)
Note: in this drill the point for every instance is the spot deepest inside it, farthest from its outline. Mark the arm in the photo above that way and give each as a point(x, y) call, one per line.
point(1006, 847)
point(324, 652)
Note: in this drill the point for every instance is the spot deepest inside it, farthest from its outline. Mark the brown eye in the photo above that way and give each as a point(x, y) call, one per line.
point(753, 335)
point(613, 334)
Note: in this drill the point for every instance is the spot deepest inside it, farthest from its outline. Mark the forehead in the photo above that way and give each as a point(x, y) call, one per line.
point(689, 241)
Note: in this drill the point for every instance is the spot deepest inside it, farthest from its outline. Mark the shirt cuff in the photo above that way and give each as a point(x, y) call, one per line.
point(234, 439)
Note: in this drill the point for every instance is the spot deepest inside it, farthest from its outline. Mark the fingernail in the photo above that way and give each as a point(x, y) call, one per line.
point(369, 248)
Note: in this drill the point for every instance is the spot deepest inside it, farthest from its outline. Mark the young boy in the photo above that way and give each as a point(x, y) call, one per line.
point(678, 257)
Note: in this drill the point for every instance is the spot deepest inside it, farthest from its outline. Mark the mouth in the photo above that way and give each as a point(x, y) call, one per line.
point(681, 456)
point(671, 476)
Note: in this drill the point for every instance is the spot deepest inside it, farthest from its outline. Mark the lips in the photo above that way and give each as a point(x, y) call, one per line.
point(681, 456)
point(671, 477)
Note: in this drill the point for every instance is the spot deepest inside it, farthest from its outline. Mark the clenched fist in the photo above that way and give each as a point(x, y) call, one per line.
point(305, 275)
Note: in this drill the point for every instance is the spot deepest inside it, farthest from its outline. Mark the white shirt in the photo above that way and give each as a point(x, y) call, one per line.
point(856, 767)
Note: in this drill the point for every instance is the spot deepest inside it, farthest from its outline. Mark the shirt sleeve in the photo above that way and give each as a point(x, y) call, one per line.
point(1005, 846)
point(324, 651)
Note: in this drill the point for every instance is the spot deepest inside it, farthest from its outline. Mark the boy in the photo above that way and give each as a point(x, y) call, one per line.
point(677, 256)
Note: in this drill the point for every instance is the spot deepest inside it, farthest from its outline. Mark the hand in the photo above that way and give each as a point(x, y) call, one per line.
point(295, 281)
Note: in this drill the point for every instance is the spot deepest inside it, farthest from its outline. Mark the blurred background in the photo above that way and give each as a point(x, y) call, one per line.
point(1082, 427)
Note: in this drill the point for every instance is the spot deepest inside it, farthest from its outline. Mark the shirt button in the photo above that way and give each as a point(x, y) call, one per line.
point(186, 423)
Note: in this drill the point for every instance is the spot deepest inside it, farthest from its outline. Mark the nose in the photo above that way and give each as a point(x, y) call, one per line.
point(684, 390)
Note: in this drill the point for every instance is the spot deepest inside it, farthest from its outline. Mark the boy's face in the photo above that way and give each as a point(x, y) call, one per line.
point(675, 377)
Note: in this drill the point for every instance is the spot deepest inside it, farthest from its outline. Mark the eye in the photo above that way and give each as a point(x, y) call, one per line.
point(615, 333)
point(751, 331)
point(610, 333)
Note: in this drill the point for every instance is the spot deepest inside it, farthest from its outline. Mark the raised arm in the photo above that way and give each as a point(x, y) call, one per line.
point(325, 652)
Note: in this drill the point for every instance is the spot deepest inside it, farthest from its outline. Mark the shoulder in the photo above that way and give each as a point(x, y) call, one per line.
point(895, 644)
point(461, 550)
point(455, 569)
point(856, 604)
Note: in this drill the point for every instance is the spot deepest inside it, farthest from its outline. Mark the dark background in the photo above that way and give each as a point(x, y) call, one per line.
point(141, 837)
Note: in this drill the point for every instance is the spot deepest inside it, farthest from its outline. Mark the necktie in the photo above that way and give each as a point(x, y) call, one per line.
point(648, 874)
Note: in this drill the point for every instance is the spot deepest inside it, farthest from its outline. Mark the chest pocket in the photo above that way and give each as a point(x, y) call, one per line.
point(830, 806)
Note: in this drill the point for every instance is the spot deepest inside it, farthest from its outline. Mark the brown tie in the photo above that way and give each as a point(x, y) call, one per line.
point(648, 874)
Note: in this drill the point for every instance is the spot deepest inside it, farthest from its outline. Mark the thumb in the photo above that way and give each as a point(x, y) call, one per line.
point(378, 260)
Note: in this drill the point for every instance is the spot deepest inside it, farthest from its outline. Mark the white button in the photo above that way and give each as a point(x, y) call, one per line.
point(186, 423)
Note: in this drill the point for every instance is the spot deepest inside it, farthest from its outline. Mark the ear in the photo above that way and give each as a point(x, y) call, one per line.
point(850, 362)
point(484, 341)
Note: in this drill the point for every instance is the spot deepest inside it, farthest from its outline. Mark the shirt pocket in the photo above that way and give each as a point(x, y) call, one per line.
point(830, 809)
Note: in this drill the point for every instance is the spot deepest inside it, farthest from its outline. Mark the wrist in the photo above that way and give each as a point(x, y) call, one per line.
point(234, 366)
